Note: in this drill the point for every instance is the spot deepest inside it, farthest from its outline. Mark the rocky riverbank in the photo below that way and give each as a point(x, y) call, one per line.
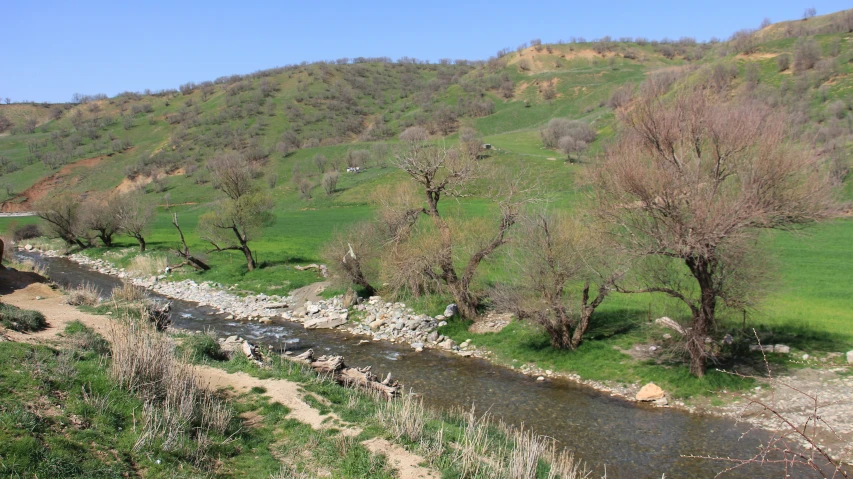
point(380, 320)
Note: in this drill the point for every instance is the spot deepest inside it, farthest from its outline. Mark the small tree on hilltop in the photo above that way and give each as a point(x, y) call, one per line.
point(687, 187)
point(240, 217)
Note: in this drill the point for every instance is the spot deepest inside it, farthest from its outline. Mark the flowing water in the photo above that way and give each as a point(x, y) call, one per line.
point(633, 441)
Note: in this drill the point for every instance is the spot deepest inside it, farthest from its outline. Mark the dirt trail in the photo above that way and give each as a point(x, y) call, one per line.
point(28, 291)
point(285, 392)
point(404, 461)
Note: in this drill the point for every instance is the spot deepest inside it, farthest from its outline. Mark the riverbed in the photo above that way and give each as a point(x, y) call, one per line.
point(632, 440)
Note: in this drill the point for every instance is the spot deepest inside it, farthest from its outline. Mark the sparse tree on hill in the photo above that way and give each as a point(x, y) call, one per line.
point(414, 134)
point(330, 182)
point(241, 215)
point(134, 216)
point(320, 162)
point(688, 186)
point(806, 54)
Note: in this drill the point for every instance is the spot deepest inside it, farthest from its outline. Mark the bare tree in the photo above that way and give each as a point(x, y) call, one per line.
point(354, 254)
point(99, 214)
point(690, 183)
point(470, 141)
point(330, 182)
point(414, 134)
point(806, 54)
point(441, 172)
point(558, 128)
point(62, 213)
point(134, 216)
point(239, 217)
point(320, 162)
point(553, 253)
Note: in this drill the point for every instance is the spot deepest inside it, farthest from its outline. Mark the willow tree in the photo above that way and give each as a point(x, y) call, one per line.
point(690, 183)
point(239, 217)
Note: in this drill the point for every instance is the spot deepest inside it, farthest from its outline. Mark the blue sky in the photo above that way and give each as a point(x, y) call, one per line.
point(56, 48)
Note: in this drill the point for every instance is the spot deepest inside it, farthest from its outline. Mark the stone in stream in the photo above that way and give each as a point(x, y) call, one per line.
point(447, 344)
point(418, 346)
point(432, 337)
point(650, 392)
point(324, 322)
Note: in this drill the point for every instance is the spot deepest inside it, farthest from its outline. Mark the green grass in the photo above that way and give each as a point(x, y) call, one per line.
point(19, 319)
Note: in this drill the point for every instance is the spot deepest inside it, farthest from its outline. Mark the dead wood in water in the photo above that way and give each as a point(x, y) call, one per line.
point(357, 377)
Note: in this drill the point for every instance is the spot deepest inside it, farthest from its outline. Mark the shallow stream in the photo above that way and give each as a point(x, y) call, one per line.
point(633, 441)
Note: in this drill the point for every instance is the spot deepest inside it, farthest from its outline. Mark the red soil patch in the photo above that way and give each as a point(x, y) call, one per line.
point(47, 185)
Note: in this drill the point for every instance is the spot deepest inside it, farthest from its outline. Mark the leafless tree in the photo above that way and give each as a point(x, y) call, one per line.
point(99, 214)
point(553, 253)
point(320, 162)
point(806, 54)
point(354, 254)
point(690, 182)
point(62, 214)
point(414, 134)
point(809, 13)
point(561, 127)
point(470, 141)
point(440, 172)
point(330, 182)
point(134, 215)
point(239, 217)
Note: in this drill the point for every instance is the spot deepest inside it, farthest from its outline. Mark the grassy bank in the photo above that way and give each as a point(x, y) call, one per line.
point(134, 406)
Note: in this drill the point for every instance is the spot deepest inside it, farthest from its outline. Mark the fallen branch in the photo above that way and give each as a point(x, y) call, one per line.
point(357, 377)
point(321, 268)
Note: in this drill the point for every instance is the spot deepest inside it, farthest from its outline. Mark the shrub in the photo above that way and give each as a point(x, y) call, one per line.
point(561, 127)
point(19, 319)
point(83, 295)
point(24, 232)
point(203, 346)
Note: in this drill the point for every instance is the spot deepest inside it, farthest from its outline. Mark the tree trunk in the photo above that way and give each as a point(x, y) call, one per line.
point(465, 301)
point(703, 316)
point(141, 243)
point(250, 260)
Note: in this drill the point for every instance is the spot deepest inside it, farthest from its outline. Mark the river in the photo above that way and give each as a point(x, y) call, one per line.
point(633, 441)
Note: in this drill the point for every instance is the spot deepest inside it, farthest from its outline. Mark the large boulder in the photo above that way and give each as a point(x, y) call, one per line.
point(324, 322)
point(650, 392)
point(451, 310)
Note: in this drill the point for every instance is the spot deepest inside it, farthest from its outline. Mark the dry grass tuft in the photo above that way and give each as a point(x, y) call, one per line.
point(178, 412)
point(405, 418)
point(128, 293)
point(147, 264)
point(84, 295)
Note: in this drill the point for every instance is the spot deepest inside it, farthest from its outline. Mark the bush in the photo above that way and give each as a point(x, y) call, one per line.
point(25, 232)
point(18, 319)
point(200, 347)
point(83, 295)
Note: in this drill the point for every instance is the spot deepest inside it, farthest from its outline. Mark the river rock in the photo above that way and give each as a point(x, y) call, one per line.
point(418, 346)
point(265, 320)
point(312, 308)
point(781, 349)
point(376, 324)
point(451, 310)
point(432, 337)
point(670, 323)
point(28, 247)
point(447, 344)
point(324, 323)
point(661, 402)
point(849, 357)
point(650, 392)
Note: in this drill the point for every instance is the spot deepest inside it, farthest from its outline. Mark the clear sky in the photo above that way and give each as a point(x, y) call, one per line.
point(53, 49)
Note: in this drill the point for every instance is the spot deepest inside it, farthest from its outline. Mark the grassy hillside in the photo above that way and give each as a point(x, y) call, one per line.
point(352, 113)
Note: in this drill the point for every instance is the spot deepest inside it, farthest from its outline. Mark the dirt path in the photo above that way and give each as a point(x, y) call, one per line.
point(285, 392)
point(407, 463)
point(28, 291)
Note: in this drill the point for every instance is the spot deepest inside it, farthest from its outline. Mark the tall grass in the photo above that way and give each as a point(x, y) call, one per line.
point(179, 413)
point(83, 295)
point(147, 264)
point(481, 447)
